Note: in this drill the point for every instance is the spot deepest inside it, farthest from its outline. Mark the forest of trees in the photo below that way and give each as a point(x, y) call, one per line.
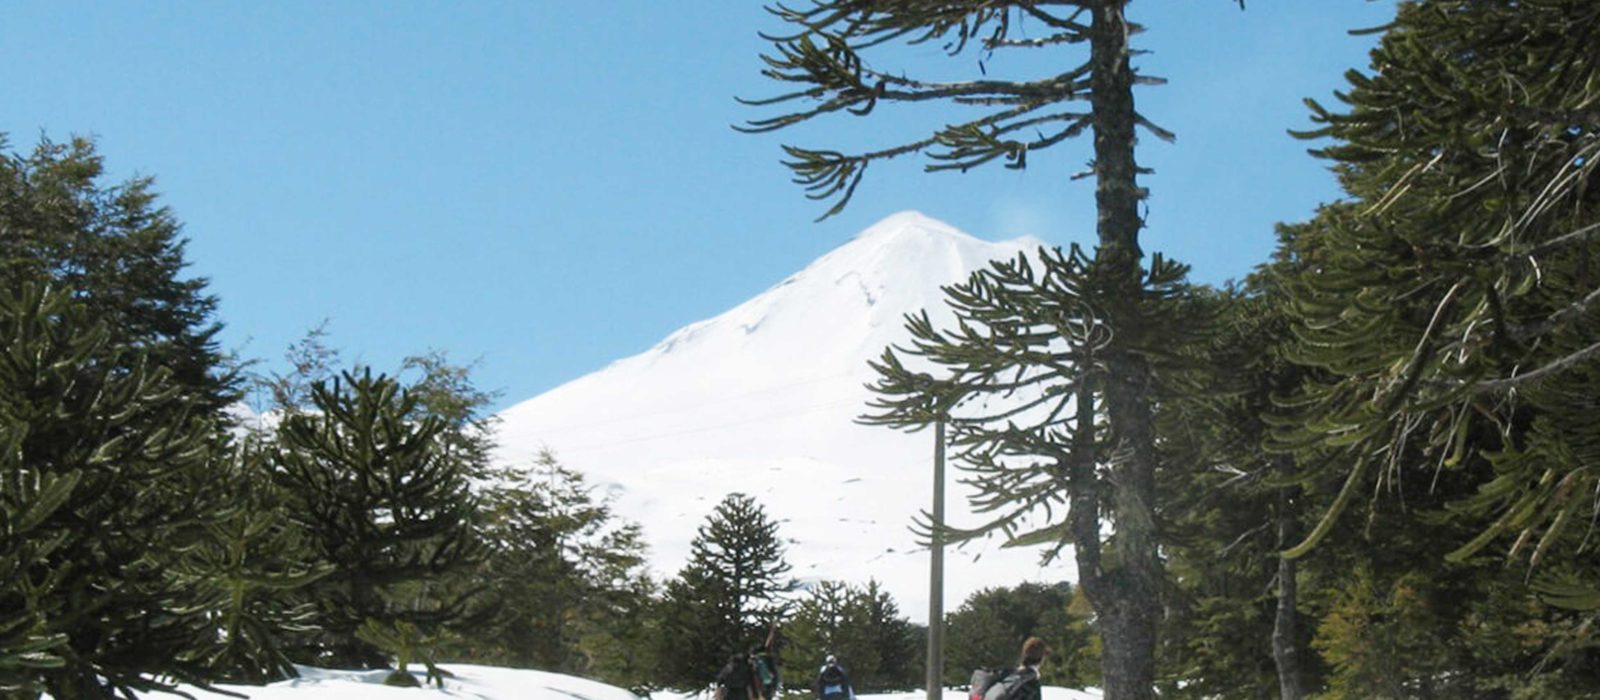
point(1365, 471)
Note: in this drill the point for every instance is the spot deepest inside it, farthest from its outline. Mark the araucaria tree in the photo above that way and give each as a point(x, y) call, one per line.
point(384, 502)
point(1454, 307)
point(111, 398)
point(96, 446)
point(719, 602)
point(826, 58)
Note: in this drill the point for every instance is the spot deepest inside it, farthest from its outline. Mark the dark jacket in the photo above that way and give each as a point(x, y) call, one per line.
point(833, 683)
point(738, 681)
point(1027, 684)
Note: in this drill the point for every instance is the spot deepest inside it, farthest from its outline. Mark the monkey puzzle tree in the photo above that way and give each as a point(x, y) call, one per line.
point(1453, 305)
point(1023, 386)
point(383, 500)
point(826, 57)
point(96, 450)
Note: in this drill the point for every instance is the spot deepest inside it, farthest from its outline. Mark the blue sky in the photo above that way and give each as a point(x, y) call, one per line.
point(544, 188)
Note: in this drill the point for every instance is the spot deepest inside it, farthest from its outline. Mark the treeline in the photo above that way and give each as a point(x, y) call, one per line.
point(1365, 471)
point(154, 531)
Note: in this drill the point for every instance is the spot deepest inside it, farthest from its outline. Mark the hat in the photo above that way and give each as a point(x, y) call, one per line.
point(833, 659)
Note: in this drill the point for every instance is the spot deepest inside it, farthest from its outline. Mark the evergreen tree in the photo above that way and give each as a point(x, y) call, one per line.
point(249, 567)
point(565, 583)
point(863, 627)
point(383, 500)
point(720, 601)
point(990, 626)
point(897, 648)
point(830, 619)
point(826, 57)
point(117, 252)
point(1234, 627)
point(1446, 314)
point(1453, 302)
point(1023, 384)
point(98, 447)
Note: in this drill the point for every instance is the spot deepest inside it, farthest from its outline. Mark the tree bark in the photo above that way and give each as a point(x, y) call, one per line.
point(1127, 597)
point(1285, 649)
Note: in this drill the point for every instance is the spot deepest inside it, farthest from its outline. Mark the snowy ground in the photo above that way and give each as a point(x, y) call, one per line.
point(490, 683)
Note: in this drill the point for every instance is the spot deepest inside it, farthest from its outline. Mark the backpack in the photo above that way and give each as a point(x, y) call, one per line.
point(735, 676)
point(831, 683)
point(768, 674)
point(983, 679)
point(999, 683)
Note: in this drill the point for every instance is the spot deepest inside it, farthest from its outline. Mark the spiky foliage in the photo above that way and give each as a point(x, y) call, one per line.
point(723, 598)
point(383, 500)
point(827, 58)
point(119, 253)
point(1453, 303)
point(1234, 626)
point(98, 447)
point(1026, 383)
point(248, 568)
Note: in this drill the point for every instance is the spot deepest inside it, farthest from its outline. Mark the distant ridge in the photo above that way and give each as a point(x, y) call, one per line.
point(762, 399)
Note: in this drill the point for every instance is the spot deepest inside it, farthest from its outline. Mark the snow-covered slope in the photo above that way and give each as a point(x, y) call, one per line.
point(762, 399)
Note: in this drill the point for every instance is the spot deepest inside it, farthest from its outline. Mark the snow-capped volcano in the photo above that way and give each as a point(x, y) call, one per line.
point(762, 399)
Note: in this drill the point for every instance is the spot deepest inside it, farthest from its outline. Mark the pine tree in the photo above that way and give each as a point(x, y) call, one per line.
point(564, 577)
point(899, 652)
point(383, 500)
point(988, 629)
point(859, 624)
point(830, 619)
point(720, 601)
point(1234, 623)
point(98, 448)
point(120, 254)
point(826, 57)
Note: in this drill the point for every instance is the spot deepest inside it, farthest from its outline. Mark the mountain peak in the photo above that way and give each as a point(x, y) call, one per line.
point(763, 399)
point(909, 221)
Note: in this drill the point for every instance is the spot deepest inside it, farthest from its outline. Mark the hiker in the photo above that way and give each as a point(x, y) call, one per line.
point(765, 661)
point(1020, 683)
point(737, 680)
point(832, 681)
point(1026, 686)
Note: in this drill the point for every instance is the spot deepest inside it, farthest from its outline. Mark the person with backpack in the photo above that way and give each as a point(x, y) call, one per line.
point(1020, 683)
point(833, 683)
point(1028, 687)
point(737, 680)
point(765, 661)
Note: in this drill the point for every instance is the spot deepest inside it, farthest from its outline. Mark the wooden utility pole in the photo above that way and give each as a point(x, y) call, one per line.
point(936, 574)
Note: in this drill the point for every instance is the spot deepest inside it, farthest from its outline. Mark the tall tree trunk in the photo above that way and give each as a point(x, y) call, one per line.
point(1285, 650)
point(1128, 599)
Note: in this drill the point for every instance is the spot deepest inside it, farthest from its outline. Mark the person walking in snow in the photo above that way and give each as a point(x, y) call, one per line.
point(833, 683)
point(765, 661)
point(1023, 683)
point(737, 680)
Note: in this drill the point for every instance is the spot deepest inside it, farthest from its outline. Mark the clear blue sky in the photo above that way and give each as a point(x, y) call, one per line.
point(545, 188)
